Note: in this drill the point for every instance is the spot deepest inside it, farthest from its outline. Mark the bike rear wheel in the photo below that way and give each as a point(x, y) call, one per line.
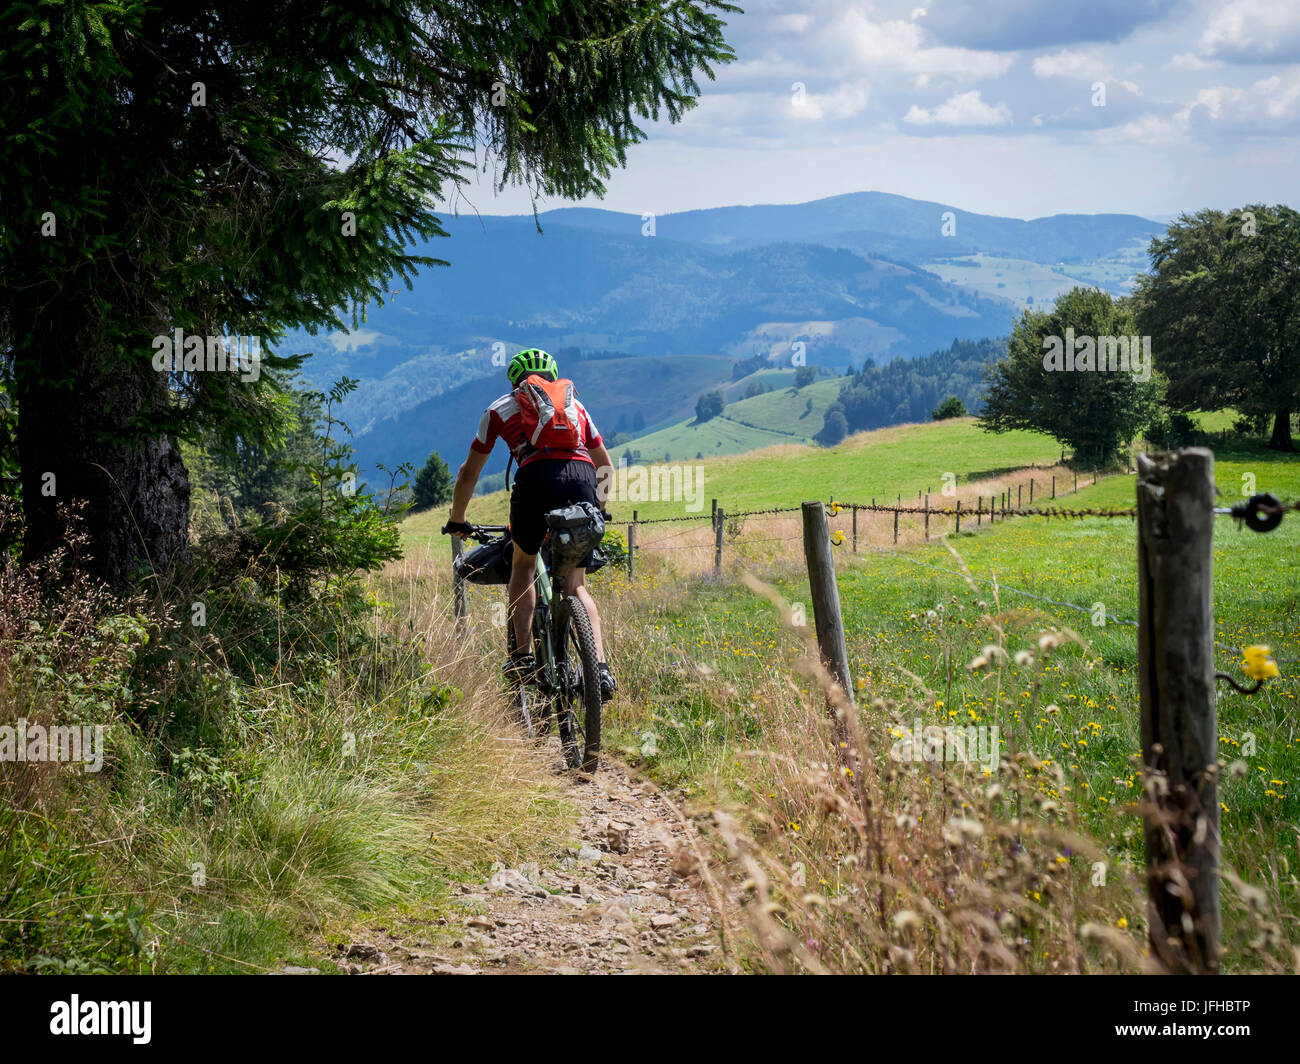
point(578, 705)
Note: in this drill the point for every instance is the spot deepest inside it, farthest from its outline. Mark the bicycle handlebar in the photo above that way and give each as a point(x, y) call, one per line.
point(482, 533)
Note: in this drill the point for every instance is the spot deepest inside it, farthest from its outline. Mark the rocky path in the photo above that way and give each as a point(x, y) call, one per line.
point(627, 900)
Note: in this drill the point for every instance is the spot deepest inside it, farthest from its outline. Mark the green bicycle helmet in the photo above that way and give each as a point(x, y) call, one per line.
point(531, 360)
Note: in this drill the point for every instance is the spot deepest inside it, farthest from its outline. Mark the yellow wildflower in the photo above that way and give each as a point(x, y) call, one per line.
point(1258, 664)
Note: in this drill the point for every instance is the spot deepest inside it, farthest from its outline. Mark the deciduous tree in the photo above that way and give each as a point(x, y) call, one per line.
point(1222, 307)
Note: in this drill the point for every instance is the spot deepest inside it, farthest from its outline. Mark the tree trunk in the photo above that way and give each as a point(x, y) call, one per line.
point(79, 400)
point(1281, 439)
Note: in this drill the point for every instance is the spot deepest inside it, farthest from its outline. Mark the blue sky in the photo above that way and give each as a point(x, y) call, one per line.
point(989, 105)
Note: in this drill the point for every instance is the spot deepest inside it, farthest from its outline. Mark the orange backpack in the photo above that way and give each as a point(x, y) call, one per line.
point(549, 411)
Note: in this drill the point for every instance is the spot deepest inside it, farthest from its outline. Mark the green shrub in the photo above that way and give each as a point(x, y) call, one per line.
point(614, 546)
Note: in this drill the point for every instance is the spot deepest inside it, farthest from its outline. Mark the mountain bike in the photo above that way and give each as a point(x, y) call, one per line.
point(566, 683)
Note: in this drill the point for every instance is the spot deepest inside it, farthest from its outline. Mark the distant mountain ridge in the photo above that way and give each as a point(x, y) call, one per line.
point(833, 281)
point(856, 218)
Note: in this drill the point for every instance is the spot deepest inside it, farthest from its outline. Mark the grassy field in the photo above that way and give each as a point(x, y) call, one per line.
point(1021, 280)
point(915, 625)
point(902, 460)
point(1018, 280)
point(782, 415)
point(717, 700)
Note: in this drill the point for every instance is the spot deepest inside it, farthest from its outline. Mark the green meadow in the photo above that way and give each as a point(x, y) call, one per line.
point(916, 625)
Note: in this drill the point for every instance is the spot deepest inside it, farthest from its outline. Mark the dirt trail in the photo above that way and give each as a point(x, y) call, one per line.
point(626, 901)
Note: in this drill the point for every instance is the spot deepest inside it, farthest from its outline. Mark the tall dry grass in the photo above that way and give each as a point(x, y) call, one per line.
point(844, 859)
point(269, 776)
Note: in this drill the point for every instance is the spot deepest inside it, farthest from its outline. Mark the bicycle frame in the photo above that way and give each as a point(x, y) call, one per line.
point(566, 665)
point(552, 651)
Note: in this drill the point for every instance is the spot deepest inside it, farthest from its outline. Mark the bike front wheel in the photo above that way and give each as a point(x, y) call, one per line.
point(578, 704)
point(532, 707)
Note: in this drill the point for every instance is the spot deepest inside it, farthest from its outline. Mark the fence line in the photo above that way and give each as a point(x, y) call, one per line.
point(1176, 680)
point(1261, 512)
point(718, 516)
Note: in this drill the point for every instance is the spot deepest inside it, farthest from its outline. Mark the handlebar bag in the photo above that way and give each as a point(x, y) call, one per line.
point(488, 564)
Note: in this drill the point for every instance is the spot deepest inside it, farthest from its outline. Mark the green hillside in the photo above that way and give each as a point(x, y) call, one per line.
point(902, 460)
point(779, 416)
point(661, 389)
point(768, 378)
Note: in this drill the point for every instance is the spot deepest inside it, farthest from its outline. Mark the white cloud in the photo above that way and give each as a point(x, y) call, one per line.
point(1069, 63)
point(792, 23)
point(897, 45)
point(1192, 61)
point(1148, 129)
point(1254, 31)
point(844, 102)
point(1270, 105)
point(963, 109)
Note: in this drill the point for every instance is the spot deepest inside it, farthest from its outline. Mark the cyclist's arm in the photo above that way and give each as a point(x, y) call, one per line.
point(466, 480)
point(604, 472)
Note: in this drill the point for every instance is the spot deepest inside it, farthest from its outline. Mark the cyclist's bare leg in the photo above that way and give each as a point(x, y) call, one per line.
point(522, 598)
point(576, 584)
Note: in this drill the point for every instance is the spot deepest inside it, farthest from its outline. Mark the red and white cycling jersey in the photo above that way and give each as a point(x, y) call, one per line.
point(501, 420)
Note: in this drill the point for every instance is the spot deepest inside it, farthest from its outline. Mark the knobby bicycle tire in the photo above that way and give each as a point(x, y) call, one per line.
point(581, 742)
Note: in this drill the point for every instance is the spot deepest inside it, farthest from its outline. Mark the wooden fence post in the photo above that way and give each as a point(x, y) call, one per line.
point(1175, 500)
point(631, 543)
point(1020, 490)
point(1031, 491)
point(958, 532)
point(719, 518)
point(895, 526)
point(979, 511)
point(1053, 485)
point(459, 604)
point(1076, 479)
point(855, 528)
point(826, 615)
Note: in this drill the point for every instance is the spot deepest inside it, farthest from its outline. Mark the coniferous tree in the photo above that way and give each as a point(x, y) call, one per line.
point(433, 483)
point(950, 407)
point(173, 167)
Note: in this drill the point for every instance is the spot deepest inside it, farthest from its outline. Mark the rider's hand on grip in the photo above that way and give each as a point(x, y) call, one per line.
point(462, 528)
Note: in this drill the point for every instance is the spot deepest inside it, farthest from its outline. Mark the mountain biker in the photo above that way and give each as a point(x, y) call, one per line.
point(547, 479)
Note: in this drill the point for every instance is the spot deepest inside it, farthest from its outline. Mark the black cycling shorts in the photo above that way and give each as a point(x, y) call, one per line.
point(547, 484)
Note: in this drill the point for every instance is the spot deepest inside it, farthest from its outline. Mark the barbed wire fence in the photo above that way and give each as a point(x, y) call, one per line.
point(1176, 682)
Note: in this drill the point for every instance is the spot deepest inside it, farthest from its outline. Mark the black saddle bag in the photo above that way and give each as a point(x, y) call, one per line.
point(576, 531)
